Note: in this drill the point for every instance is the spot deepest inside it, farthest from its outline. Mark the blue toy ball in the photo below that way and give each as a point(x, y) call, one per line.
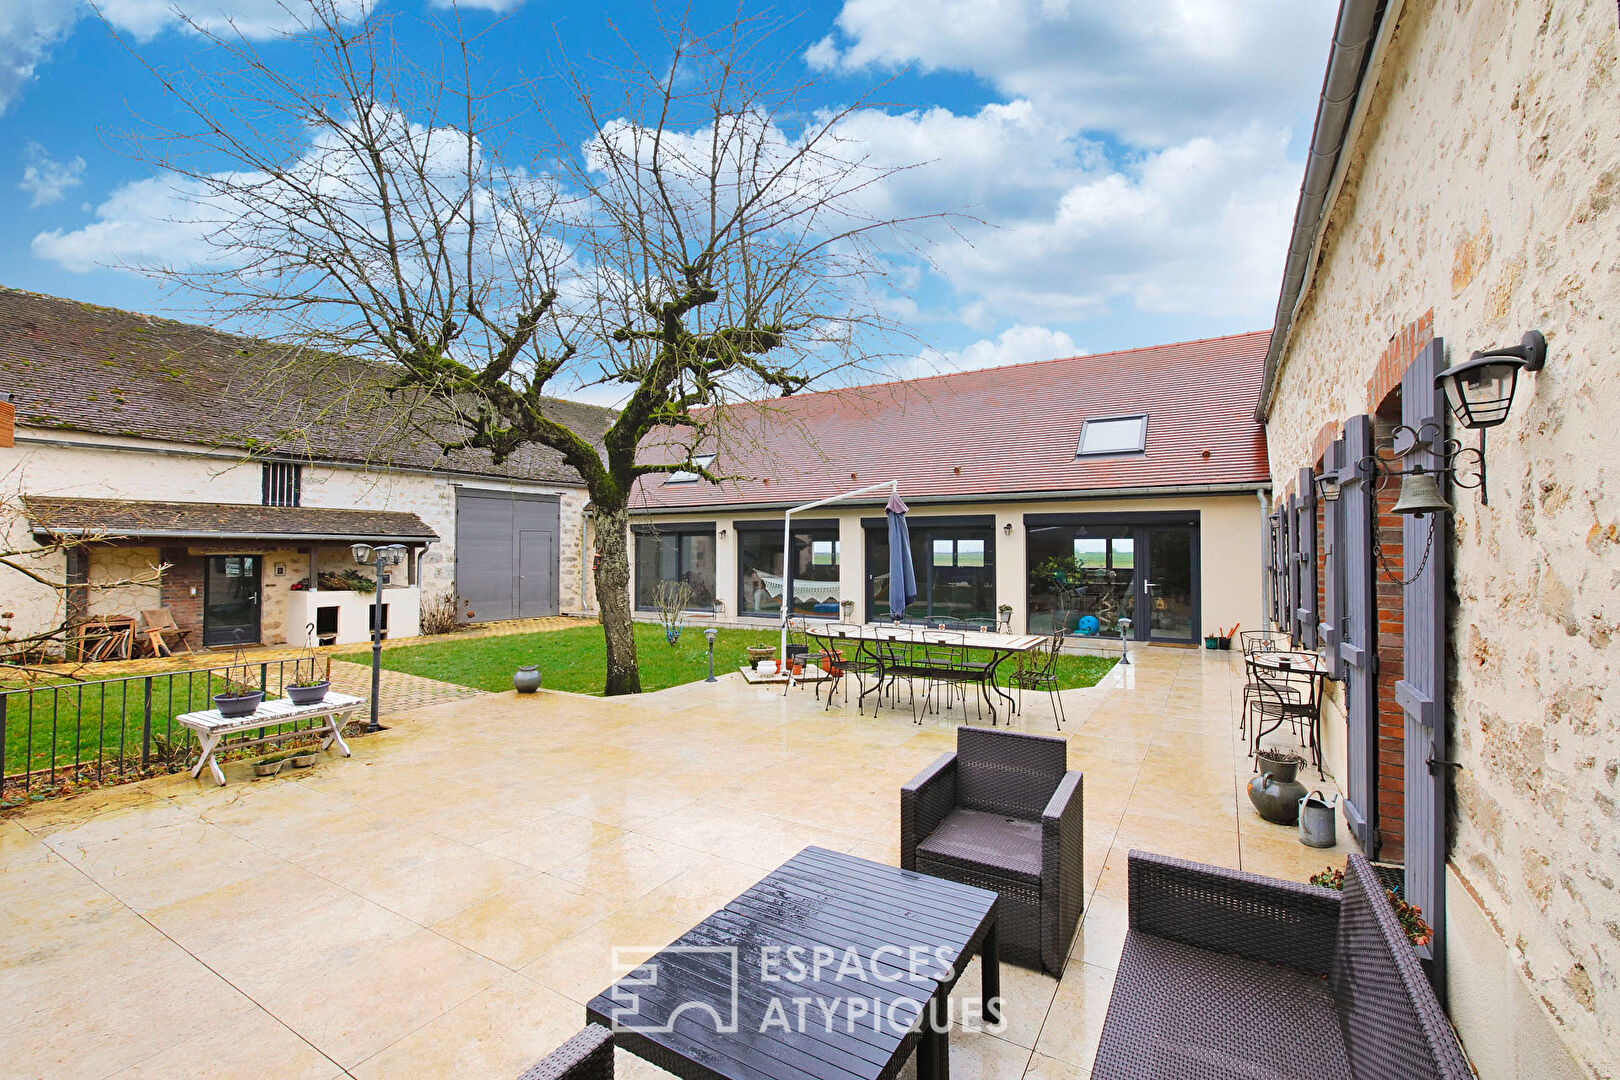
point(1088, 626)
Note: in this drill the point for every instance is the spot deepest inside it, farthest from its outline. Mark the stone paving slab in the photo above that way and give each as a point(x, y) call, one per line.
point(443, 903)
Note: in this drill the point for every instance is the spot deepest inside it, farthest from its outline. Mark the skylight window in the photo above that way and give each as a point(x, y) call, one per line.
point(1113, 435)
point(683, 476)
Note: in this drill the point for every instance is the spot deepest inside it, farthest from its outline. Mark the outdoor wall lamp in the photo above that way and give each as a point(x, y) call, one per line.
point(1480, 389)
point(1327, 486)
point(1006, 530)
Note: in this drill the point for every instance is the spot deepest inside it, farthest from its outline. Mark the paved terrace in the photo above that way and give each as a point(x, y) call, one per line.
point(441, 904)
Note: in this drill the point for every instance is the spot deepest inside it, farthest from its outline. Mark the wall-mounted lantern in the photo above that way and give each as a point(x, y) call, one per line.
point(1480, 389)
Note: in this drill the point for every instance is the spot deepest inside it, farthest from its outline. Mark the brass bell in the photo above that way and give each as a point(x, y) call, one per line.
point(1420, 494)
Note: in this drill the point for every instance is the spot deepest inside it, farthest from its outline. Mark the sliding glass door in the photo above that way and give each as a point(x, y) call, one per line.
point(1086, 572)
point(955, 563)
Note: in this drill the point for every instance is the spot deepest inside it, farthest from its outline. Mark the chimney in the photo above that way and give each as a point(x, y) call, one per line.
point(8, 420)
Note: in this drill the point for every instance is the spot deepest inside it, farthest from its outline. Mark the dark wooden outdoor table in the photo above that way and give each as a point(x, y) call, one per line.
point(719, 1004)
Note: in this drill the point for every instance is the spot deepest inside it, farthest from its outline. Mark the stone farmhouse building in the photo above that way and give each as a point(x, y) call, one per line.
point(1057, 495)
point(1464, 189)
point(246, 475)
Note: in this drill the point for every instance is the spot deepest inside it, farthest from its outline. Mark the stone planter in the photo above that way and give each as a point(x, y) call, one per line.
point(758, 653)
point(526, 680)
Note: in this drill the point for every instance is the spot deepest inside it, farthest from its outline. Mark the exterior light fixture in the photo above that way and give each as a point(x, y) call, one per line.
point(1327, 486)
point(711, 633)
point(376, 558)
point(1480, 389)
point(1006, 530)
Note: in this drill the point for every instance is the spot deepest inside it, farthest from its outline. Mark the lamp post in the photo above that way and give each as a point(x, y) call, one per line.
point(711, 633)
point(376, 558)
point(1124, 632)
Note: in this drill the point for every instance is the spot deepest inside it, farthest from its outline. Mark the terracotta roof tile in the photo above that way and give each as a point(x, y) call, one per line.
point(998, 432)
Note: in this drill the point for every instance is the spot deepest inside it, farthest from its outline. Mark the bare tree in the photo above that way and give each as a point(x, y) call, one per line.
point(696, 237)
point(40, 566)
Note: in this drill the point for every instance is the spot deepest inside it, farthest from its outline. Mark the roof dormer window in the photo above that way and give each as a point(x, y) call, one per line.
point(685, 476)
point(1113, 435)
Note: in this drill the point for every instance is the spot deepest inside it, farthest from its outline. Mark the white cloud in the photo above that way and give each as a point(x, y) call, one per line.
point(28, 28)
point(1066, 232)
point(144, 19)
point(1152, 71)
point(496, 6)
point(147, 221)
point(1015, 345)
point(46, 180)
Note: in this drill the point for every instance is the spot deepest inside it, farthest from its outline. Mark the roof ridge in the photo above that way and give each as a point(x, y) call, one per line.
point(1029, 364)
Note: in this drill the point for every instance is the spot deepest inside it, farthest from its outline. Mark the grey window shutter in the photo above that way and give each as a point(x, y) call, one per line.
point(1305, 613)
point(1329, 628)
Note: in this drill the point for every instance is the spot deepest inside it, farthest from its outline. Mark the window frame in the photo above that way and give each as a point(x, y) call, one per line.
point(280, 481)
point(1080, 450)
point(773, 530)
point(678, 532)
point(683, 476)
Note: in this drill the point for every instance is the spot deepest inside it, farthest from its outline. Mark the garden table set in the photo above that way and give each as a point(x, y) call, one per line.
point(892, 652)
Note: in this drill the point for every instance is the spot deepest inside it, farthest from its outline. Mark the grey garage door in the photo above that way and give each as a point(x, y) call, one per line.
point(506, 553)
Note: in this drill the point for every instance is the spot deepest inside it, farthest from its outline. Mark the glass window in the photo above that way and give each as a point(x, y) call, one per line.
point(683, 476)
point(1115, 435)
point(1082, 578)
point(955, 568)
point(666, 555)
point(812, 578)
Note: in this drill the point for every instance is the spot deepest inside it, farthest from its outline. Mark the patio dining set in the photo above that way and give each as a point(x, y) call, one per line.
point(1223, 973)
point(938, 664)
point(1282, 686)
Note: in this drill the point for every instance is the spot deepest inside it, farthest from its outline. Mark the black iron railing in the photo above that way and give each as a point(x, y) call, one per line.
point(102, 730)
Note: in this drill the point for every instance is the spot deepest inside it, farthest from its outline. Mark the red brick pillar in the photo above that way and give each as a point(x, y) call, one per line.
point(1390, 605)
point(181, 589)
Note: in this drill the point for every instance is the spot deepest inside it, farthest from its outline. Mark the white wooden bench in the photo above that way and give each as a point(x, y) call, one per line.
point(212, 728)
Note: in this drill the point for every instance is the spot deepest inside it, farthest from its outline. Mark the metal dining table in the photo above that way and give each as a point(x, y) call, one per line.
point(1311, 666)
point(868, 635)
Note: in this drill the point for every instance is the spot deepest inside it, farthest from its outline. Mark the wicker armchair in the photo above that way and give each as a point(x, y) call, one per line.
point(1227, 974)
point(586, 1056)
point(1004, 813)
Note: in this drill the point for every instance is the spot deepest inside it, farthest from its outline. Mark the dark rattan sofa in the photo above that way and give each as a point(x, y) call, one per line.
point(1227, 974)
point(586, 1056)
point(1004, 813)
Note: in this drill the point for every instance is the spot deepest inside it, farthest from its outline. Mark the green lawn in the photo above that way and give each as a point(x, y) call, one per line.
point(572, 659)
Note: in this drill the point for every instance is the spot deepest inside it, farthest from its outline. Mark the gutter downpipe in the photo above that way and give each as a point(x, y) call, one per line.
point(787, 553)
point(1359, 23)
point(1262, 494)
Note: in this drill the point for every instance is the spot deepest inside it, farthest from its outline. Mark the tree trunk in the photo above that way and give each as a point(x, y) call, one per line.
point(613, 600)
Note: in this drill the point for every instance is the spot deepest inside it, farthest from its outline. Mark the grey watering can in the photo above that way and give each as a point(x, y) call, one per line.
point(1317, 824)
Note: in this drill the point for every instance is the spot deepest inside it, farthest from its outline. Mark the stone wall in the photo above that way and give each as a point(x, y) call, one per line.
point(1484, 186)
point(104, 467)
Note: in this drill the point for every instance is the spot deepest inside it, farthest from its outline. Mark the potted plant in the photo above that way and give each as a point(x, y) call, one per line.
point(1275, 793)
point(269, 765)
point(236, 702)
point(305, 756)
point(1410, 916)
point(759, 653)
point(309, 691)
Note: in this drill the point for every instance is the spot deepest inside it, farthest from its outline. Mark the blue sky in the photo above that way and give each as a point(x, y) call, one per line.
point(1135, 165)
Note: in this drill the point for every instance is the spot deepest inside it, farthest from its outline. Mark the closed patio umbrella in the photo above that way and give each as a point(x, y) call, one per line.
point(902, 575)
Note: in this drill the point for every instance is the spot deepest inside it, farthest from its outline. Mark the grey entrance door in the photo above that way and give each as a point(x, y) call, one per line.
point(231, 600)
point(1169, 604)
point(506, 553)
